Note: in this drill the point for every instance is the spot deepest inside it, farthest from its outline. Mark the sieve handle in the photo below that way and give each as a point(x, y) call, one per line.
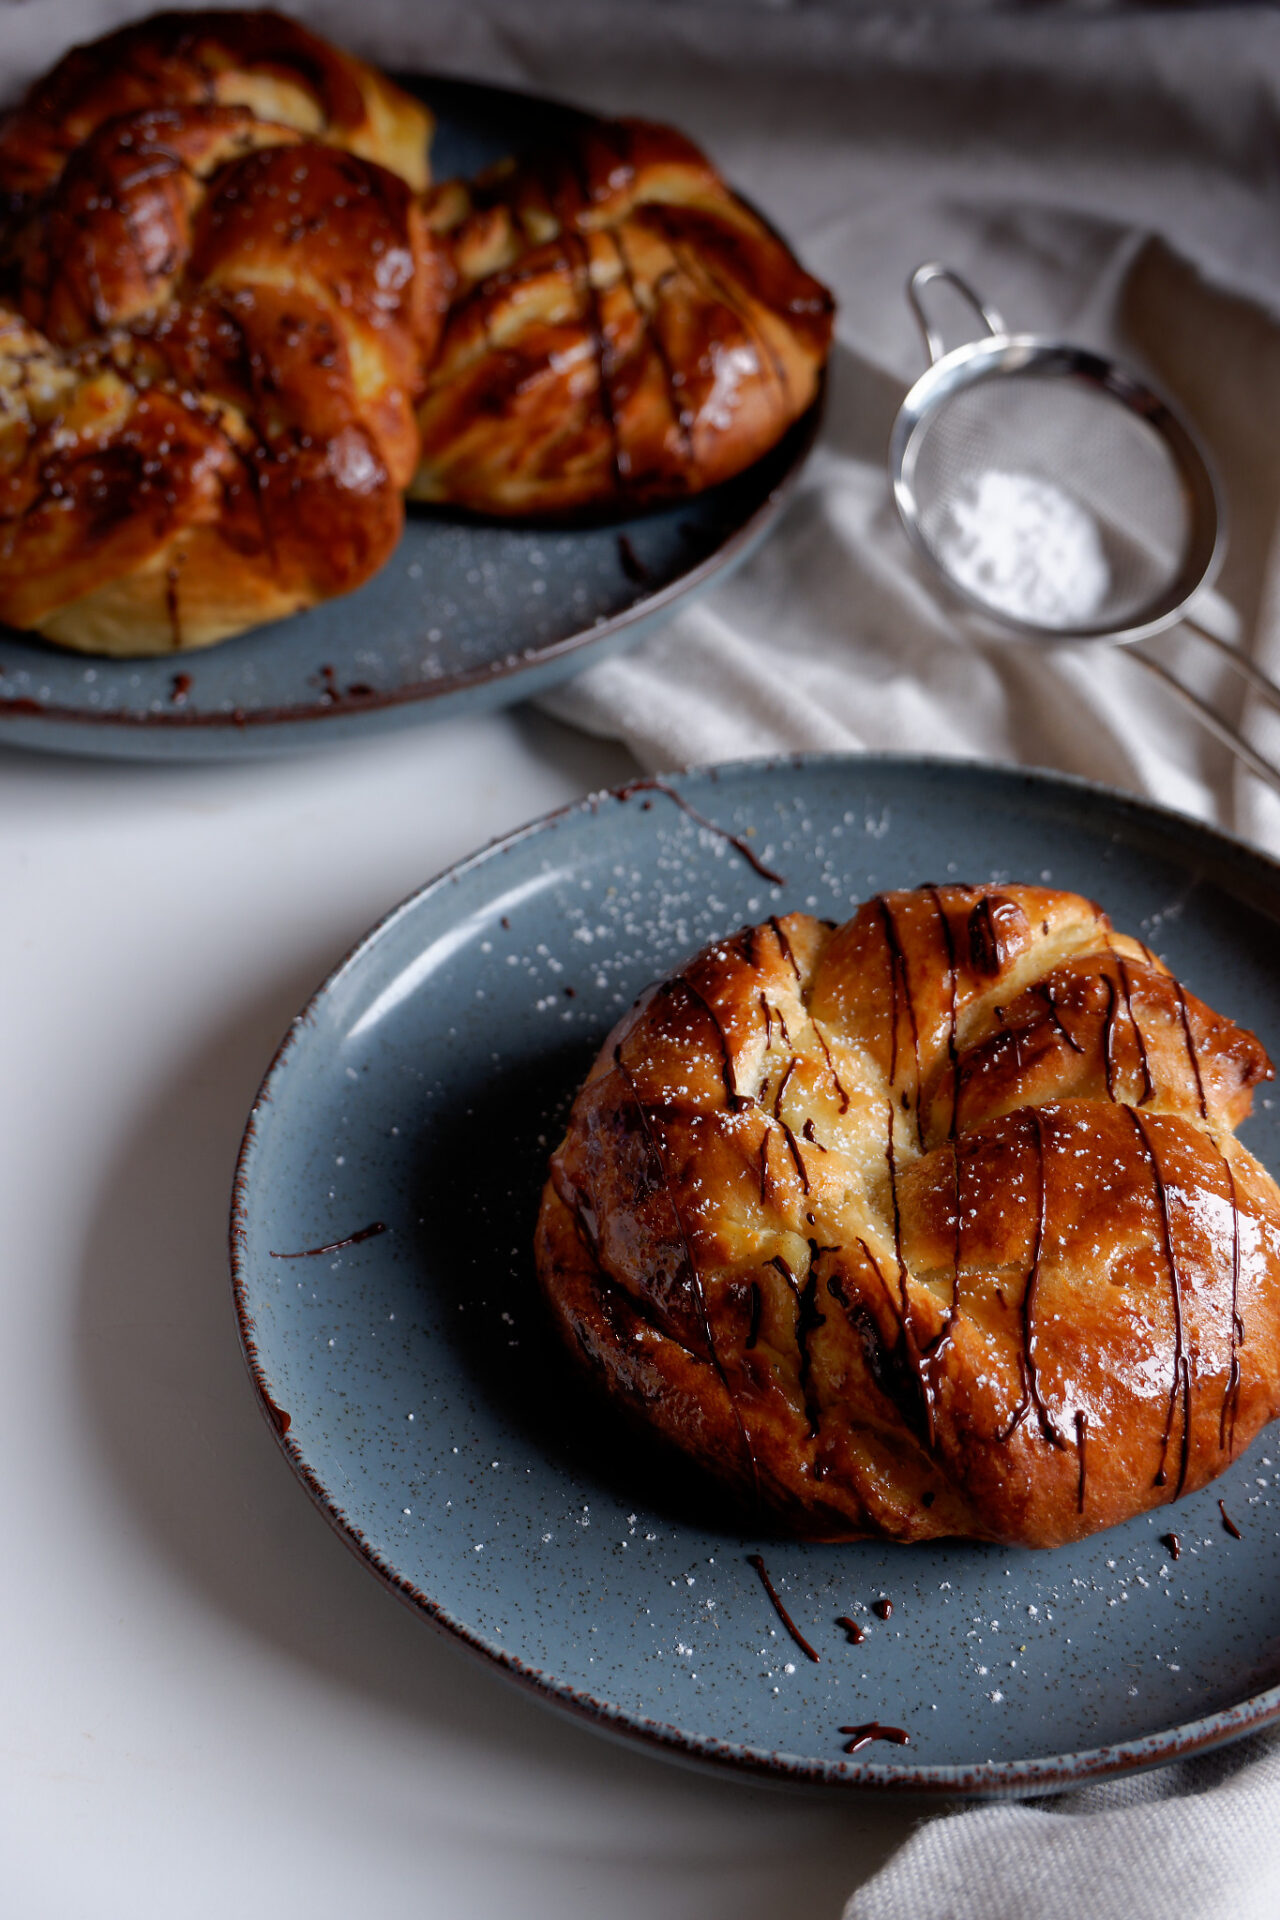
point(1260, 682)
point(924, 276)
point(1223, 729)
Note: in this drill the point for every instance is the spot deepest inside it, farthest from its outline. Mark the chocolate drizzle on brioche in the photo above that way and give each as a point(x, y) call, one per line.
point(1181, 1381)
point(1017, 1314)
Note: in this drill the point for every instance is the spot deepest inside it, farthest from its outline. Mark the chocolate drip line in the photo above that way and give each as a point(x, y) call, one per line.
point(735, 1100)
point(1031, 1394)
point(1108, 1027)
point(872, 1730)
point(1051, 1008)
point(784, 945)
point(1148, 1084)
point(753, 1333)
point(831, 1067)
point(681, 418)
point(1082, 1429)
point(691, 1265)
point(1231, 1395)
point(370, 1232)
point(793, 1147)
point(1181, 1366)
point(600, 346)
point(952, 1055)
point(808, 1320)
point(279, 1419)
point(650, 784)
point(792, 1064)
point(902, 996)
point(756, 1560)
point(1184, 1017)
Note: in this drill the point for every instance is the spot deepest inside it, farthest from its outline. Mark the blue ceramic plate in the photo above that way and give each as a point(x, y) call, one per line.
point(465, 614)
point(409, 1377)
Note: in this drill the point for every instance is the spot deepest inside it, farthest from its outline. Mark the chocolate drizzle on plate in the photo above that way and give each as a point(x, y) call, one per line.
point(854, 1634)
point(650, 784)
point(279, 1419)
point(870, 1730)
point(756, 1560)
point(370, 1232)
point(1229, 1523)
point(631, 563)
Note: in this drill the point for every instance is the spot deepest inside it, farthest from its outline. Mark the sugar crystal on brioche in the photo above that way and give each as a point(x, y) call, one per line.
point(930, 1224)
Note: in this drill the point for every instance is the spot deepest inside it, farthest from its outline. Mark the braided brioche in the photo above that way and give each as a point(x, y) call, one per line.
point(222, 290)
point(933, 1223)
point(272, 66)
point(207, 380)
point(625, 331)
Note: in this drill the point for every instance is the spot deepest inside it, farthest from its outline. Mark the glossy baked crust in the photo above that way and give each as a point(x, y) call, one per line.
point(933, 1223)
point(209, 364)
point(625, 331)
point(275, 67)
point(218, 295)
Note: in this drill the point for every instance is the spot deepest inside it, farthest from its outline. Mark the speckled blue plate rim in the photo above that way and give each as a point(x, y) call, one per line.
point(528, 672)
point(982, 1779)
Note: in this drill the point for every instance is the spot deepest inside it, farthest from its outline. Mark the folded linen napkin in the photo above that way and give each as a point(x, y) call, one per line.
point(1108, 175)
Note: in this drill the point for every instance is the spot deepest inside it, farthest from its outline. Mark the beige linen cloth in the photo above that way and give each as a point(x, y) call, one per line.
point(1110, 175)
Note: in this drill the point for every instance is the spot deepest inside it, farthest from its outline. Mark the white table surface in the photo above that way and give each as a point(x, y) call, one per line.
point(210, 1707)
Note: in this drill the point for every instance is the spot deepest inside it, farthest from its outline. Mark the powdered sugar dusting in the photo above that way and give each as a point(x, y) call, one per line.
point(1025, 548)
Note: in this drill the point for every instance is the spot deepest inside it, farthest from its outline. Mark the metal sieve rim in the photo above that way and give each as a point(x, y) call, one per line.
point(997, 357)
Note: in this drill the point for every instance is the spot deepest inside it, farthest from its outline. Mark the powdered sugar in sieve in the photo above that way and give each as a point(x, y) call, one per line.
point(1061, 498)
point(1024, 547)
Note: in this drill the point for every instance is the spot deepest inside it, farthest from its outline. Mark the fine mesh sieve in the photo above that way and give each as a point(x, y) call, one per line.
point(1059, 497)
